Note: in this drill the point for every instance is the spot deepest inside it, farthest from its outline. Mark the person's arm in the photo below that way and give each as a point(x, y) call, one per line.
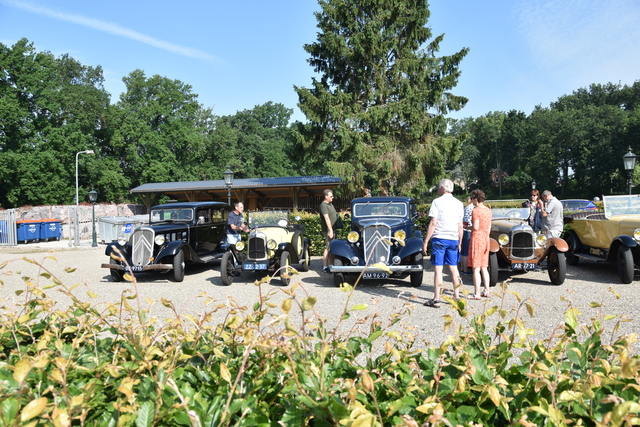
point(460, 234)
point(543, 211)
point(327, 220)
point(430, 230)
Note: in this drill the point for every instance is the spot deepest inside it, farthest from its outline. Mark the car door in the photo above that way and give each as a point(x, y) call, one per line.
point(205, 232)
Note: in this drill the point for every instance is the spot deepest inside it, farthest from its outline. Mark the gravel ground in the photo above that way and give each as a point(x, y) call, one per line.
point(586, 283)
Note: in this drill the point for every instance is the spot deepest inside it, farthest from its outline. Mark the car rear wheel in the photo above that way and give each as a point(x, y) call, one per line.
point(227, 270)
point(178, 266)
point(493, 269)
point(557, 266)
point(285, 261)
point(338, 278)
point(305, 261)
point(416, 278)
point(625, 264)
point(116, 275)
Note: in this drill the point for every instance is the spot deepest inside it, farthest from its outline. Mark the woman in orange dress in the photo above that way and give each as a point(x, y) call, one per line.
point(479, 245)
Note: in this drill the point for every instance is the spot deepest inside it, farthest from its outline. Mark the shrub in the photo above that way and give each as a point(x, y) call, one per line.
point(116, 366)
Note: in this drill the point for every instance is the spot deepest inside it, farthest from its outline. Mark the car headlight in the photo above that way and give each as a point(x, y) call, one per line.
point(271, 244)
point(159, 240)
point(541, 239)
point(122, 240)
point(240, 246)
point(353, 236)
point(503, 239)
point(636, 234)
point(400, 235)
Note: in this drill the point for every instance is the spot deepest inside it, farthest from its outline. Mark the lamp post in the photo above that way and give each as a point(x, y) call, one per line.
point(533, 184)
point(77, 202)
point(629, 160)
point(228, 180)
point(93, 198)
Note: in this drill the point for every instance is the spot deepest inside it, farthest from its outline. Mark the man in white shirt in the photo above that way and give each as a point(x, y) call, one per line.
point(552, 215)
point(445, 232)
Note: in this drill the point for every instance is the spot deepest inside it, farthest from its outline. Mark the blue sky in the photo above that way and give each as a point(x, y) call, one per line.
point(239, 54)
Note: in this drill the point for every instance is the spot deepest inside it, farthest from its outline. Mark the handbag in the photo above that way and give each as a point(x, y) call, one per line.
point(338, 224)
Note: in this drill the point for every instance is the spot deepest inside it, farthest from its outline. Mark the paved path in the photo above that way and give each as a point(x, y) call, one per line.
point(586, 283)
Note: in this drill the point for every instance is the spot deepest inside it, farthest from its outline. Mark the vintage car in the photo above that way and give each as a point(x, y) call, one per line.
point(383, 232)
point(515, 247)
point(578, 205)
point(610, 236)
point(177, 234)
point(272, 242)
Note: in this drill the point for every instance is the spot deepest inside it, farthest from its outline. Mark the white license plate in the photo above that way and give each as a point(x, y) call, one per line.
point(254, 266)
point(133, 268)
point(524, 266)
point(375, 275)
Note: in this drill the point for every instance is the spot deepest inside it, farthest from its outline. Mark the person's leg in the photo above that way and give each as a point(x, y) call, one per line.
point(476, 282)
point(437, 281)
point(485, 280)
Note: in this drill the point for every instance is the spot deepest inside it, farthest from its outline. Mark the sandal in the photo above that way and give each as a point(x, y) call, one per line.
point(474, 297)
point(485, 294)
point(432, 303)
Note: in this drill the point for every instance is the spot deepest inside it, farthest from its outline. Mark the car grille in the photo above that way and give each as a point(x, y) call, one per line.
point(257, 246)
point(142, 245)
point(375, 250)
point(522, 244)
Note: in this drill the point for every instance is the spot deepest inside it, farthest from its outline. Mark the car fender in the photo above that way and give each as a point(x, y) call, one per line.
point(411, 246)
point(342, 248)
point(172, 249)
point(624, 240)
point(111, 247)
point(572, 237)
point(494, 246)
point(287, 246)
point(559, 244)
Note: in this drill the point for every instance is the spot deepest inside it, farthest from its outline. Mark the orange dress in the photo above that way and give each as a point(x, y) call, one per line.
point(479, 245)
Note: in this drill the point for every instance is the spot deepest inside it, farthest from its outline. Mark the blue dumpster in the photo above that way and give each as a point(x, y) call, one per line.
point(50, 229)
point(28, 230)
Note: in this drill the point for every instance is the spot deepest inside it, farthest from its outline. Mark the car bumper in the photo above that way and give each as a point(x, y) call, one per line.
point(137, 269)
point(370, 269)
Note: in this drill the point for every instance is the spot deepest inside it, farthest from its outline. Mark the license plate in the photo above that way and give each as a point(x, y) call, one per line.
point(254, 266)
point(133, 268)
point(375, 275)
point(524, 266)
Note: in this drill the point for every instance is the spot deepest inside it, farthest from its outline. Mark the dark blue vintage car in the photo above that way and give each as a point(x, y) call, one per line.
point(383, 242)
point(177, 234)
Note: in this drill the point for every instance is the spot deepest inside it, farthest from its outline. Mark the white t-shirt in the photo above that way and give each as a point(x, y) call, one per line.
point(449, 212)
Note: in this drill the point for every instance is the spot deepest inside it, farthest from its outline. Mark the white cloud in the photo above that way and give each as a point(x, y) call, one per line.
point(111, 28)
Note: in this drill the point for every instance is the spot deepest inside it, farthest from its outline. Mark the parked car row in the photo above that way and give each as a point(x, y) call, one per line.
point(383, 242)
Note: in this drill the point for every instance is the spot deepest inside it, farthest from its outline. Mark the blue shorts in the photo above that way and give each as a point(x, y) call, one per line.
point(444, 252)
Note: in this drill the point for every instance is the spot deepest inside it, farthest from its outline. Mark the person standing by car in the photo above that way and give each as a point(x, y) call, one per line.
point(328, 217)
point(445, 233)
point(466, 236)
point(235, 224)
point(535, 211)
point(479, 246)
point(552, 221)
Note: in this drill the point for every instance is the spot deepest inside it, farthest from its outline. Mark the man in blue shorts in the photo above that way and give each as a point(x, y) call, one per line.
point(445, 233)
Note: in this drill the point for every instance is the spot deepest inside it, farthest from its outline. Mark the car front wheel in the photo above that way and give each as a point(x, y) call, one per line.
point(416, 278)
point(572, 259)
point(116, 275)
point(557, 266)
point(625, 264)
point(227, 271)
point(338, 278)
point(178, 266)
point(285, 262)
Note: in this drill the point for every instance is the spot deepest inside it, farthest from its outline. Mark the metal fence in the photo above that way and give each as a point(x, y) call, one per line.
point(8, 229)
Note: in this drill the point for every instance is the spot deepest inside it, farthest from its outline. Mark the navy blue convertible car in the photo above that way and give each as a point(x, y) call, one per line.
point(383, 242)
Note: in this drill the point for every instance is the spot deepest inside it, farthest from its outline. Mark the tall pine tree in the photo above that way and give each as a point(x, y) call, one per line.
point(377, 110)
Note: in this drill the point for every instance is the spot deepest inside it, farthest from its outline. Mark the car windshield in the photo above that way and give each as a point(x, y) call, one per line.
point(569, 204)
point(522, 213)
point(268, 218)
point(171, 214)
point(621, 205)
point(396, 209)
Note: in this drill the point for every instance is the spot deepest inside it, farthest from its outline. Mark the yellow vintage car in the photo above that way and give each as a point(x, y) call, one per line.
point(516, 247)
point(611, 236)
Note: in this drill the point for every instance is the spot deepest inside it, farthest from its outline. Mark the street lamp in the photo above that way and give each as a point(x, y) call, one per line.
point(533, 184)
point(77, 203)
point(93, 198)
point(228, 180)
point(629, 160)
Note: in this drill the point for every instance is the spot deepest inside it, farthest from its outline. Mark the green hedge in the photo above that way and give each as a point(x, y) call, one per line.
point(112, 365)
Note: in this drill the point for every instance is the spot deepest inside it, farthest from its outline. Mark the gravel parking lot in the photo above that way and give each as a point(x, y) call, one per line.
point(586, 283)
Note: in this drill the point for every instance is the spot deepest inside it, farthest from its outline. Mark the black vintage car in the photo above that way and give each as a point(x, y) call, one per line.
point(177, 234)
point(383, 241)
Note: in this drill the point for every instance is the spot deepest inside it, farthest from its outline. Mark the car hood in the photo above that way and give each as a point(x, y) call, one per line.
point(168, 227)
point(394, 223)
